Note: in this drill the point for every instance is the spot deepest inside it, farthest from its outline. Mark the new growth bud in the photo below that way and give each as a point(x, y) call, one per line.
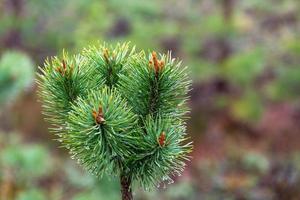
point(63, 69)
point(157, 65)
point(98, 116)
point(162, 139)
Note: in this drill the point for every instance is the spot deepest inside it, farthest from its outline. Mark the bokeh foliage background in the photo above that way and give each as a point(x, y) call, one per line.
point(244, 58)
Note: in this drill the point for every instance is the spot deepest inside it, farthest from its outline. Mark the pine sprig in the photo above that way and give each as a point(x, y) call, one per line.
point(119, 112)
point(61, 82)
point(162, 153)
point(156, 86)
point(108, 62)
point(100, 146)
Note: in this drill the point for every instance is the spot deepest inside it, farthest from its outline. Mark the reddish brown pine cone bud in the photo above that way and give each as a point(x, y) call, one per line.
point(155, 61)
point(162, 139)
point(98, 116)
point(63, 69)
point(158, 65)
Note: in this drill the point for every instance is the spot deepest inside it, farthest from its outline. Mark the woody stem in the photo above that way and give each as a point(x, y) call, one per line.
point(126, 187)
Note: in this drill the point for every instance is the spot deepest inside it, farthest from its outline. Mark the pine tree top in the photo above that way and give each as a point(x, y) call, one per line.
point(119, 112)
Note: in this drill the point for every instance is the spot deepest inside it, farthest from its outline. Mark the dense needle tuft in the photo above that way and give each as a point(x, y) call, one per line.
point(61, 82)
point(100, 144)
point(159, 90)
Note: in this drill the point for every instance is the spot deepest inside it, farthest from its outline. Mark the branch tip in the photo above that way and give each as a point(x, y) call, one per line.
point(158, 65)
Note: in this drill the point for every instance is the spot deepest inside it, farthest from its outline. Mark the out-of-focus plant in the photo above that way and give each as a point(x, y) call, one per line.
point(244, 67)
point(286, 85)
point(90, 187)
point(257, 162)
point(120, 113)
point(248, 107)
point(22, 167)
point(32, 194)
point(16, 74)
point(27, 161)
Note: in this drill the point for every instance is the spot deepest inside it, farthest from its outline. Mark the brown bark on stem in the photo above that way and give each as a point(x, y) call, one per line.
point(126, 190)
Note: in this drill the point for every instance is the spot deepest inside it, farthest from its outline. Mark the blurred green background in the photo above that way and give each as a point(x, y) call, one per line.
point(244, 58)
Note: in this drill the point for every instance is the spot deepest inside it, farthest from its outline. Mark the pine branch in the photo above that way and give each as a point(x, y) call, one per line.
point(156, 90)
point(100, 145)
point(119, 112)
point(161, 154)
point(60, 83)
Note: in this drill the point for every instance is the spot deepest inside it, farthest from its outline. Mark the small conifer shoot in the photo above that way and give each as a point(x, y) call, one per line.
point(119, 112)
